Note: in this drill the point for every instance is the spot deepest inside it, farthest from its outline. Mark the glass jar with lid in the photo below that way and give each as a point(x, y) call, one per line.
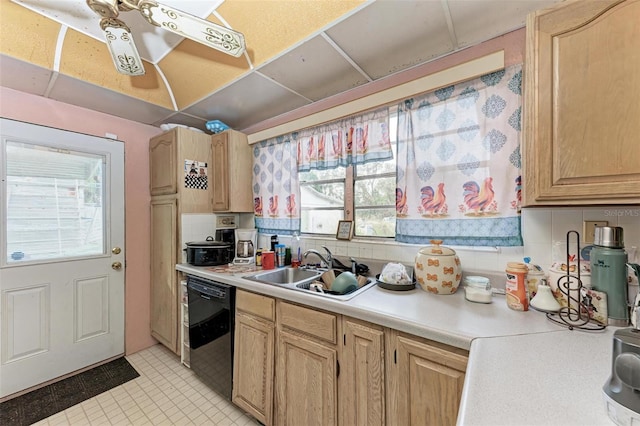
point(477, 289)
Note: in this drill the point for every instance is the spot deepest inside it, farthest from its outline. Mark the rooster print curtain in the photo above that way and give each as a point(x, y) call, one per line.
point(276, 190)
point(458, 172)
point(358, 139)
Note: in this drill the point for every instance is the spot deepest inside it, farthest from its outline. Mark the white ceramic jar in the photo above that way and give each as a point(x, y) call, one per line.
point(437, 269)
point(477, 289)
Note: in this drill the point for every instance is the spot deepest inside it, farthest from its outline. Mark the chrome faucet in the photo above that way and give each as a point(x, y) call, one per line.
point(354, 266)
point(327, 261)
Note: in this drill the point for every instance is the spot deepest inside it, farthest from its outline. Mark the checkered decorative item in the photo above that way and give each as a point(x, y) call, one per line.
point(195, 182)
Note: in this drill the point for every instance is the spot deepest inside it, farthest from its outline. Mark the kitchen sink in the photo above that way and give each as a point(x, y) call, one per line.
point(300, 279)
point(306, 286)
point(287, 276)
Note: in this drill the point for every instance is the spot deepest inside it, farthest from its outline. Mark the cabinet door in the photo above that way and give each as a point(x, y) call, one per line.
point(580, 142)
point(306, 385)
point(163, 154)
point(425, 382)
point(220, 171)
point(164, 277)
point(253, 366)
point(240, 173)
point(194, 188)
point(362, 387)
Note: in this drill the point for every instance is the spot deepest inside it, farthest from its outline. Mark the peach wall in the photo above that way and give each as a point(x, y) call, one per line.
point(39, 110)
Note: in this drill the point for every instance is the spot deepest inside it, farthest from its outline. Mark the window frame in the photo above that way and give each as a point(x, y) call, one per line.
point(349, 208)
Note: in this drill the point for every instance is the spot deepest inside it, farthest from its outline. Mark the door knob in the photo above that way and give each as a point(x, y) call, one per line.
point(116, 265)
point(116, 250)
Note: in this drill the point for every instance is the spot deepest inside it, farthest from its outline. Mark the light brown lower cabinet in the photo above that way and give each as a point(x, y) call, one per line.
point(329, 369)
point(306, 366)
point(253, 366)
point(362, 374)
point(306, 382)
point(425, 380)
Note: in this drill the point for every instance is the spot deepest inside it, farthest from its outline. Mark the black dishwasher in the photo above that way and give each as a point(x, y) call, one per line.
point(211, 309)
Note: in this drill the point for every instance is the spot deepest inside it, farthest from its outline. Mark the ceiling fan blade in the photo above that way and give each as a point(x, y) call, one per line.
point(121, 46)
point(186, 25)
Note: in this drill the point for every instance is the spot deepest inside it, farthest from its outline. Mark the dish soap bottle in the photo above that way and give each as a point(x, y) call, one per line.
point(296, 251)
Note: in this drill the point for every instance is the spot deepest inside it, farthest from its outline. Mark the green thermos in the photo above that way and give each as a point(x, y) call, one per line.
point(609, 272)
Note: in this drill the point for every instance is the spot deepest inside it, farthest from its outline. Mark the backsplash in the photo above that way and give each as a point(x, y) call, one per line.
point(541, 227)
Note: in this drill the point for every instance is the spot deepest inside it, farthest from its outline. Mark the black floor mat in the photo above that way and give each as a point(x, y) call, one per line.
point(51, 399)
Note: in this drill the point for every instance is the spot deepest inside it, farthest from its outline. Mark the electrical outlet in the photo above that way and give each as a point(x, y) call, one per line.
point(589, 229)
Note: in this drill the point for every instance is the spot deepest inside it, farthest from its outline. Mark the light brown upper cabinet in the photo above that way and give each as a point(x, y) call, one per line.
point(167, 175)
point(231, 173)
point(581, 140)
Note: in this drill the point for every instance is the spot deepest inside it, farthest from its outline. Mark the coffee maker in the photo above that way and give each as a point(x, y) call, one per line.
point(620, 391)
point(228, 236)
point(245, 246)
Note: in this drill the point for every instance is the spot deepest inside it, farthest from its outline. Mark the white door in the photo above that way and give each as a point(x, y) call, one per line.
point(62, 240)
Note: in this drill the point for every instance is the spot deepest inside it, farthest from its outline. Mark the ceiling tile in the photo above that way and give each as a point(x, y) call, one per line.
point(250, 100)
point(86, 95)
point(272, 27)
point(27, 35)
point(315, 70)
point(193, 71)
point(478, 21)
point(23, 76)
point(390, 36)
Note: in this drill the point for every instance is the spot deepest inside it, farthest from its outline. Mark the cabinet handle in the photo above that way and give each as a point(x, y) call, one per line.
point(344, 339)
point(395, 356)
point(337, 368)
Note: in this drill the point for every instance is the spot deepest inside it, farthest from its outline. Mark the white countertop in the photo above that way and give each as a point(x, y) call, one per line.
point(523, 369)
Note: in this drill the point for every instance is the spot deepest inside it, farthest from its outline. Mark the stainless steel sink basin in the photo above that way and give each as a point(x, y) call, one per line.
point(307, 287)
point(300, 279)
point(287, 276)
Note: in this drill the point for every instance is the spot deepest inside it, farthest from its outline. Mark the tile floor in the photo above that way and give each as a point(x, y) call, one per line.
point(166, 393)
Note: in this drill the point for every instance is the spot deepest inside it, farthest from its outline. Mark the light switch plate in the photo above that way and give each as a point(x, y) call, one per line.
point(589, 229)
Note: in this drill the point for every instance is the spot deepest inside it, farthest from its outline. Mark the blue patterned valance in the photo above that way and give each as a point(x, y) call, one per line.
point(458, 175)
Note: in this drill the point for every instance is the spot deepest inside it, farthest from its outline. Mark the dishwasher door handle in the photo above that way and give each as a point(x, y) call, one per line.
point(204, 296)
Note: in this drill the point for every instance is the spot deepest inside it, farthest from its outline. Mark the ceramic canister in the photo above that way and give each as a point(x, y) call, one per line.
point(437, 269)
point(563, 279)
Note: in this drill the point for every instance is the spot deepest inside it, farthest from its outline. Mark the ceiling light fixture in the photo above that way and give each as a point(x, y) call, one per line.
point(120, 41)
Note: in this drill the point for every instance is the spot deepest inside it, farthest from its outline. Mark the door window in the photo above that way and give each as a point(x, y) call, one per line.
point(54, 203)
